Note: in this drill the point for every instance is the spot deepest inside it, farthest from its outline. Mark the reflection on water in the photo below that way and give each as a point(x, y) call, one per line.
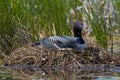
point(57, 74)
point(6, 76)
point(107, 78)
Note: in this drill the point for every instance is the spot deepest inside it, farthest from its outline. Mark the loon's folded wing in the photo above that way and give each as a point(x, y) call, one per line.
point(57, 41)
point(60, 41)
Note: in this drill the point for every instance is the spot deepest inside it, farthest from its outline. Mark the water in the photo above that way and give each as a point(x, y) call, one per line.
point(5, 76)
point(107, 78)
point(50, 74)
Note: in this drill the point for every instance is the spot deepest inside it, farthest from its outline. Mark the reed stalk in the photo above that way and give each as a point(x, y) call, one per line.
point(102, 19)
point(23, 21)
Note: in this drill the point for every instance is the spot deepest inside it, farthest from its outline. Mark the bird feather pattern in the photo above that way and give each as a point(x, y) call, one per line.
point(55, 42)
point(62, 39)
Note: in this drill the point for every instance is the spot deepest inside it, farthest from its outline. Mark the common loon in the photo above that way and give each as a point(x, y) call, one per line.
point(58, 42)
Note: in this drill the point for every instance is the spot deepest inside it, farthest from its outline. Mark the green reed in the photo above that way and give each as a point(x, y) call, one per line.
point(100, 20)
point(22, 21)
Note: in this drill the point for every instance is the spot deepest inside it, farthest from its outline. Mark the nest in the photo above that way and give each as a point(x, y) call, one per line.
point(43, 57)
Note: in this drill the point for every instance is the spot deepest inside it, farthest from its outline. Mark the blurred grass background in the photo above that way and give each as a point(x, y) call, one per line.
point(25, 21)
point(102, 16)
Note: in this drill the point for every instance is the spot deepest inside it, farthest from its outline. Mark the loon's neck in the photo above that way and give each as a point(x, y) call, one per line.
point(79, 38)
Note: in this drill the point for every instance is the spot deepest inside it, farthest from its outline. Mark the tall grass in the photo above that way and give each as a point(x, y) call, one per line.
point(13, 25)
point(117, 7)
point(101, 16)
point(23, 21)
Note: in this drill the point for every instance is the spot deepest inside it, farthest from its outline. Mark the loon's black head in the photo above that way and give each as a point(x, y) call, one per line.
point(77, 28)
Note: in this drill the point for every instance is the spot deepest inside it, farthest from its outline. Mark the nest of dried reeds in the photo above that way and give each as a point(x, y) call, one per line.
point(43, 57)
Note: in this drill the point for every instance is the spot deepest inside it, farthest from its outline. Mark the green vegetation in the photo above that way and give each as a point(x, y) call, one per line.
point(117, 7)
point(23, 21)
point(101, 16)
point(98, 23)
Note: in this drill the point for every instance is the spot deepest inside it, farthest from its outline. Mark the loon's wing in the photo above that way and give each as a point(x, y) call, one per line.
point(61, 39)
point(70, 39)
point(58, 41)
